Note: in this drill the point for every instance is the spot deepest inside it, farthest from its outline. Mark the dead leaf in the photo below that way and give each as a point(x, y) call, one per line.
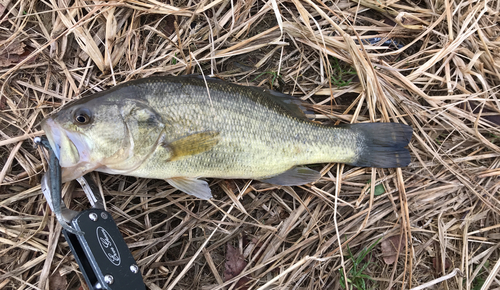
point(169, 27)
point(3, 102)
point(231, 185)
point(13, 53)
point(253, 247)
point(389, 248)
point(235, 263)
point(437, 264)
point(14, 47)
point(57, 282)
point(3, 6)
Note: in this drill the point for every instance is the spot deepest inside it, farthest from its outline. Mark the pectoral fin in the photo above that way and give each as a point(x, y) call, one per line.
point(191, 186)
point(192, 144)
point(294, 176)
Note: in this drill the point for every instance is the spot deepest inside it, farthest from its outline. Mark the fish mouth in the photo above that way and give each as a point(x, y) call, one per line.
point(71, 148)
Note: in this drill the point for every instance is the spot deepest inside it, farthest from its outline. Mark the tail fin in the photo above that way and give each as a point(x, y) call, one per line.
point(383, 144)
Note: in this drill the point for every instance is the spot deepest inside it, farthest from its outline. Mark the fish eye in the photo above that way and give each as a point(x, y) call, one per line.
point(82, 116)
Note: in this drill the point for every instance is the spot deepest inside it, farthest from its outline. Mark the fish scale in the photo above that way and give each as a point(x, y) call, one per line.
point(271, 137)
point(171, 128)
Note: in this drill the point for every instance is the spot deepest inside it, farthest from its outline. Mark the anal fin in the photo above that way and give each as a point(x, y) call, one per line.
point(191, 186)
point(294, 176)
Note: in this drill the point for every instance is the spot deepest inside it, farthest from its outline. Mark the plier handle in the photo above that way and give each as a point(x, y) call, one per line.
point(92, 235)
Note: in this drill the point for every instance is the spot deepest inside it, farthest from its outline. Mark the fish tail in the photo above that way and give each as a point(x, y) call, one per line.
point(382, 145)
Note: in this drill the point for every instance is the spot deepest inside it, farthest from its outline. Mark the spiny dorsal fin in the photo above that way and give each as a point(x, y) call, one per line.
point(193, 144)
point(291, 104)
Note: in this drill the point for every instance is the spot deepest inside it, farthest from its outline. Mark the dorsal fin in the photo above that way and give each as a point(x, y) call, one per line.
point(291, 104)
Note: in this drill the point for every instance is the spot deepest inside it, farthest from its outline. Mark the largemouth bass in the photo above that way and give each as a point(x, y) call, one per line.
point(181, 129)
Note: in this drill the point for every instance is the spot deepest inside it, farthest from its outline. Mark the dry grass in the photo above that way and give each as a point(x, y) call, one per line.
point(443, 81)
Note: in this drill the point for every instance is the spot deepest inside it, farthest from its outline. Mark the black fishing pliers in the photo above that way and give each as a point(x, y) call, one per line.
point(96, 242)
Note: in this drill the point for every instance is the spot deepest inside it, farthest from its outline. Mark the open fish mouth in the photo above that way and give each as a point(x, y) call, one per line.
point(70, 148)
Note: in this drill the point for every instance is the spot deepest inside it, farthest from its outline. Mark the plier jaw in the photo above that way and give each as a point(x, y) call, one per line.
point(51, 188)
point(92, 235)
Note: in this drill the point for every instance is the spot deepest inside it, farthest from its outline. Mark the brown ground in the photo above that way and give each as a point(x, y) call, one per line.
point(440, 75)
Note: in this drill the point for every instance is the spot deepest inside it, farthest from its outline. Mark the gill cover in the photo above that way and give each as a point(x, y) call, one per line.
point(144, 132)
point(111, 132)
